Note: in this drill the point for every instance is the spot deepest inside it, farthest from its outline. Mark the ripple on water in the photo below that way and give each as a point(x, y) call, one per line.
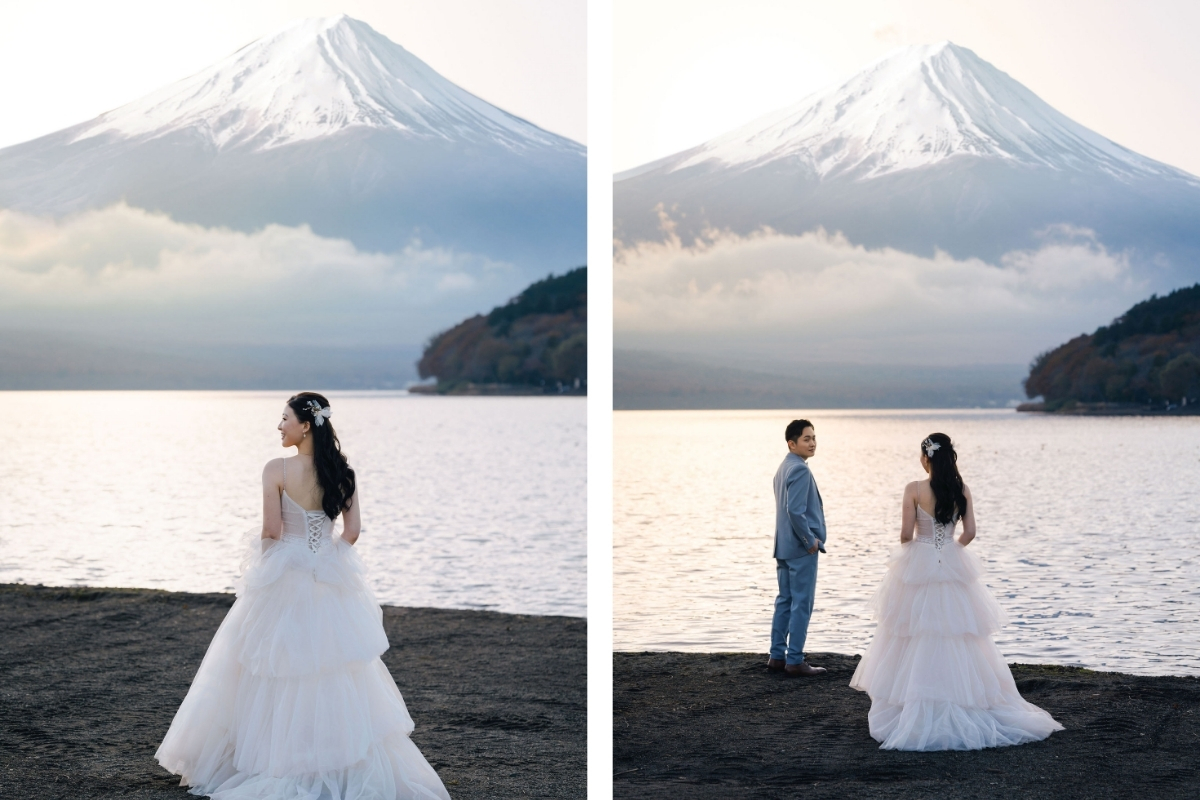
point(467, 502)
point(1088, 528)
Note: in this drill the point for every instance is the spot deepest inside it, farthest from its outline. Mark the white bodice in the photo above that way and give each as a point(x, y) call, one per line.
point(930, 531)
point(312, 528)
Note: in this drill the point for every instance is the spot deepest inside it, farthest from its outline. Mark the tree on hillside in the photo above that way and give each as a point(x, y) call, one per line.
point(1151, 353)
point(538, 338)
point(1180, 377)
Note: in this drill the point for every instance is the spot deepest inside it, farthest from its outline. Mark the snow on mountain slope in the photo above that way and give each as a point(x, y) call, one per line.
point(929, 149)
point(326, 124)
point(313, 79)
point(915, 107)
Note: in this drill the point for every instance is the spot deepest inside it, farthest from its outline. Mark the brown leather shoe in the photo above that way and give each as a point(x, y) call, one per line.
point(775, 664)
point(802, 670)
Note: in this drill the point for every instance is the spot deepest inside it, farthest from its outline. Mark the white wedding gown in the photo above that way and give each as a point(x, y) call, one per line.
point(292, 700)
point(936, 679)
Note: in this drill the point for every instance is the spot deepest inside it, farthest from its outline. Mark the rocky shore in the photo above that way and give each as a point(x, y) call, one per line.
point(91, 678)
point(718, 725)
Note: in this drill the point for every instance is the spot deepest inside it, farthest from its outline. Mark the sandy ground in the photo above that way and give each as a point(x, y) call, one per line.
point(718, 725)
point(91, 678)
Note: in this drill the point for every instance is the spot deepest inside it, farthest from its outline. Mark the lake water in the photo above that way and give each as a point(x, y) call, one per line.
point(467, 502)
point(1090, 528)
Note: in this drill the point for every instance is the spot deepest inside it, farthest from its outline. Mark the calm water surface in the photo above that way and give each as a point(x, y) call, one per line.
point(1090, 528)
point(466, 502)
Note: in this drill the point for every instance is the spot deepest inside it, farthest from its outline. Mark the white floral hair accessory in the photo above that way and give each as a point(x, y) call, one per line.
point(930, 446)
point(319, 414)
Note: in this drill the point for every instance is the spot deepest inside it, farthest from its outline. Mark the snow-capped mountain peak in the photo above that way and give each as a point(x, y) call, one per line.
point(917, 106)
point(314, 78)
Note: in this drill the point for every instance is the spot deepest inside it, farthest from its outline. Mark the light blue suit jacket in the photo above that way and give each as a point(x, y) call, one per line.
point(799, 514)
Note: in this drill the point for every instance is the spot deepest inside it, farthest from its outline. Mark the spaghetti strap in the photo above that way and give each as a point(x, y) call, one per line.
point(284, 487)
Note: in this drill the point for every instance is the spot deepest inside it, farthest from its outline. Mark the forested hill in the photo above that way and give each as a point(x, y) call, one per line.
point(537, 342)
point(1148, 356)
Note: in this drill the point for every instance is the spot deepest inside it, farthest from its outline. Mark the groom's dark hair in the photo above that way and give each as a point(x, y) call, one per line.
point(795, 429)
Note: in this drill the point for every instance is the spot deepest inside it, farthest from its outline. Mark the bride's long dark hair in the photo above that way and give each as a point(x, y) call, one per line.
point(333, 470)
point(944, 480)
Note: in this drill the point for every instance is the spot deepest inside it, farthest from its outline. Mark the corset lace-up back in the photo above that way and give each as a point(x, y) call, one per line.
point(930, 531)
point(316, 529)
point(313, 528)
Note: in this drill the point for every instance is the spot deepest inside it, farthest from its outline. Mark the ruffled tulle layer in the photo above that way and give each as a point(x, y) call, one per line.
point(929, 725)
point(302, 613)
point(967, 670)
point(394, 768)
point(935, 591)
point(292, 700)
point(936, 679)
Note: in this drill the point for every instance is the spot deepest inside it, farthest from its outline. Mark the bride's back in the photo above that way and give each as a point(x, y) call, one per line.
point(300, 482)
point(926, 501)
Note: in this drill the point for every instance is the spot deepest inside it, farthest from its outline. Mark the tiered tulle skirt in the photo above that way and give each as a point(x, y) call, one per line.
point(936, 679)
point(292, 700)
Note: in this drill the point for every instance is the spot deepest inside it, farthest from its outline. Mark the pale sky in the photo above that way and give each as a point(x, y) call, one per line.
point(66, 61)
point(688, 70)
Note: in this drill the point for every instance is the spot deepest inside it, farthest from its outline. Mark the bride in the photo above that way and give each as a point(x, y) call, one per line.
point(292, 699)
point(934, 675)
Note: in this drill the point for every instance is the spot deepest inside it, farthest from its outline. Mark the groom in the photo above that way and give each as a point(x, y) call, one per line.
point(799, 535)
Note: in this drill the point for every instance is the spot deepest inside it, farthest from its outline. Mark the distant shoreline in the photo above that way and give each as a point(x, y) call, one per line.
point(496, 390)
point(1075, 409)
point(425, 391)
point(645, 379)
point(703, 726)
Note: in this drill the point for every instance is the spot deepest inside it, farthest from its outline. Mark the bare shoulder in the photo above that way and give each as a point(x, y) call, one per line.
point(967, 491)
point(273, 471)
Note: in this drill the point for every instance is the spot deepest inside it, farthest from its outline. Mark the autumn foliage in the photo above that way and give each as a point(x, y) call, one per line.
point(537, 339)
point(1150, 354)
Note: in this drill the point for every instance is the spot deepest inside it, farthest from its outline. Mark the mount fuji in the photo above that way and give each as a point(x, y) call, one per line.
point(929, 148)
point(327, 124)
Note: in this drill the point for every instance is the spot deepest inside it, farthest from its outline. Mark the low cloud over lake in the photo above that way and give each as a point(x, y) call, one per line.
point(134, 273)
point(820, 297)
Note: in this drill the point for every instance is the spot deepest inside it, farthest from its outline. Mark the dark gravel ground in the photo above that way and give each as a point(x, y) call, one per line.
point(718, 725)
point(91, 678)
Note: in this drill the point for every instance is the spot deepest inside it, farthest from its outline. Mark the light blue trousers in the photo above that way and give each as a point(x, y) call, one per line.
point(793, 607)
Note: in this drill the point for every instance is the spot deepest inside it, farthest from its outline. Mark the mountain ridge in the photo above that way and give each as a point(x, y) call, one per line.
point(313, 78)
point(963, 105)
point(929, 149)
point(435, 164)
